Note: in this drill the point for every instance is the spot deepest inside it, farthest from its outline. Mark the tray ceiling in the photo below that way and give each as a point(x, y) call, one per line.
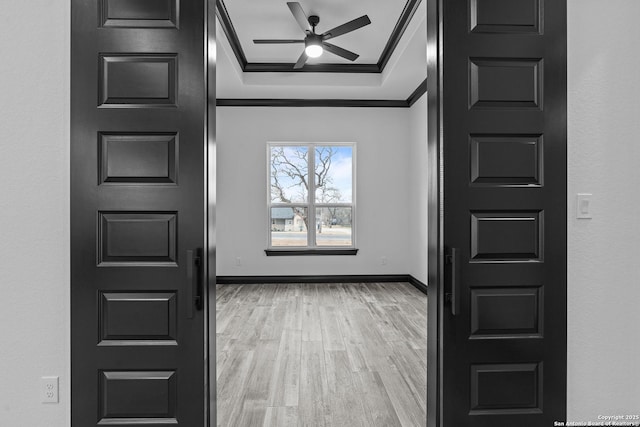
point(246, 20)
point(392, 49)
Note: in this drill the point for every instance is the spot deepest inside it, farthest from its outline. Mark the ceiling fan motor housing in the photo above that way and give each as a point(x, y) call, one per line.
point(313, 39)
point(313, 21)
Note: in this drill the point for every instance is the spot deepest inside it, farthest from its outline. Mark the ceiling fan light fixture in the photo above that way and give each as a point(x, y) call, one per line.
point(313, 50)
point(313, 43)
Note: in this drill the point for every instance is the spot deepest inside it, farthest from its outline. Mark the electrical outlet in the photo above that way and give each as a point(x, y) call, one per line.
point(49, 389)
point(238, 261)
point(383, 260)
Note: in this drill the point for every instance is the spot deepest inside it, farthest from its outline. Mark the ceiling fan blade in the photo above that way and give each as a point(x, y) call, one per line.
point(299, 14)
point(271, 41)
point(347, 54)
point(347, 28)
point(301, 61)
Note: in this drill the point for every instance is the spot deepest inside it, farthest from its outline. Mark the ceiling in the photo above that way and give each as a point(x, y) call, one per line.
point(392, 49)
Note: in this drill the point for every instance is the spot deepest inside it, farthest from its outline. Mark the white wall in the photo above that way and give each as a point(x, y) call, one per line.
point(418, 188)
point(34, 210)
point(604, 151)
point(604, 279)
point(382, 192)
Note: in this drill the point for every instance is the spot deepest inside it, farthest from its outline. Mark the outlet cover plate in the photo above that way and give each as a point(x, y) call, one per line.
point(49, 389)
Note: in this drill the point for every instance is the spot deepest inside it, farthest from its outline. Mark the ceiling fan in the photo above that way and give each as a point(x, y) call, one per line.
point(314, 43)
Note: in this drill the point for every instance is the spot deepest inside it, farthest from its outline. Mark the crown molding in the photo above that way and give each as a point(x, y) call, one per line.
point(397, 33)
point(417, 94)
point(372, 103)
point(279, 67)
point(230, 32)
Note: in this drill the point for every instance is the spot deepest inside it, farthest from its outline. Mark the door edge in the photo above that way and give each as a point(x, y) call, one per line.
point(210, 202)
point(435, 214)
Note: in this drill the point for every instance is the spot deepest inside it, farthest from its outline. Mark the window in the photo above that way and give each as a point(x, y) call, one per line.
point(311, 211)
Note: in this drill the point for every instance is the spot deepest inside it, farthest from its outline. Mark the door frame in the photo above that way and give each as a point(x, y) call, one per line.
point(435, 213)
point(210, 204)
point(435, 202)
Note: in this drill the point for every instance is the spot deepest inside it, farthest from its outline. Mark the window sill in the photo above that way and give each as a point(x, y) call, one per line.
point(300, 252)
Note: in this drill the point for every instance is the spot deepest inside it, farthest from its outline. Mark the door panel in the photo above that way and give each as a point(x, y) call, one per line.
point(138, 106)
point(121, 390)
point(502, 106)
point(139, 13)
point(138, 158)
point(504, 16)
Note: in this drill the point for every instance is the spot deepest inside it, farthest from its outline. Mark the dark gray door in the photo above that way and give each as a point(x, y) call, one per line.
point(503, 309)
point(137, 212)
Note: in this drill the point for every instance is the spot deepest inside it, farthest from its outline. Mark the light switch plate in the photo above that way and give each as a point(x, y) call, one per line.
point(583, 206)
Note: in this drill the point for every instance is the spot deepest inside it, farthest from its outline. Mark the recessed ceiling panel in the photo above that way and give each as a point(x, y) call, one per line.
point(271, 19)
point(405, 71)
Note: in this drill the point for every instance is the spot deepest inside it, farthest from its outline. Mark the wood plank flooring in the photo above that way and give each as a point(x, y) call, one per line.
point(326, 354)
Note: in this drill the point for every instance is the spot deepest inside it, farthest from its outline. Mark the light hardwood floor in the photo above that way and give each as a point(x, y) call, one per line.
point(321, 355)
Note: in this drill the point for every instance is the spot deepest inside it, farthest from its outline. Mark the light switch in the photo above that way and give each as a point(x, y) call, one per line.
point(583, 206)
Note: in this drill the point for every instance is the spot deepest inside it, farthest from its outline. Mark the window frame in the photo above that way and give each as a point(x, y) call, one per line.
point(312, 247)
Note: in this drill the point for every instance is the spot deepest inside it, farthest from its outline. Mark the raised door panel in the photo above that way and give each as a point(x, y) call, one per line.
point(138, 397)
point(506, 236)
point(506, 160)
point(138, 318)
point(506, 388)
point(147, 80)
point(505, 16)
point(139, 13)
point(505, 83)
point(138, 158)
point(506, 312)
point(137, 238)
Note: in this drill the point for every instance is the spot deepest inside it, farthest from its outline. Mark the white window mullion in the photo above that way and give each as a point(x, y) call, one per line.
point(311, 212)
